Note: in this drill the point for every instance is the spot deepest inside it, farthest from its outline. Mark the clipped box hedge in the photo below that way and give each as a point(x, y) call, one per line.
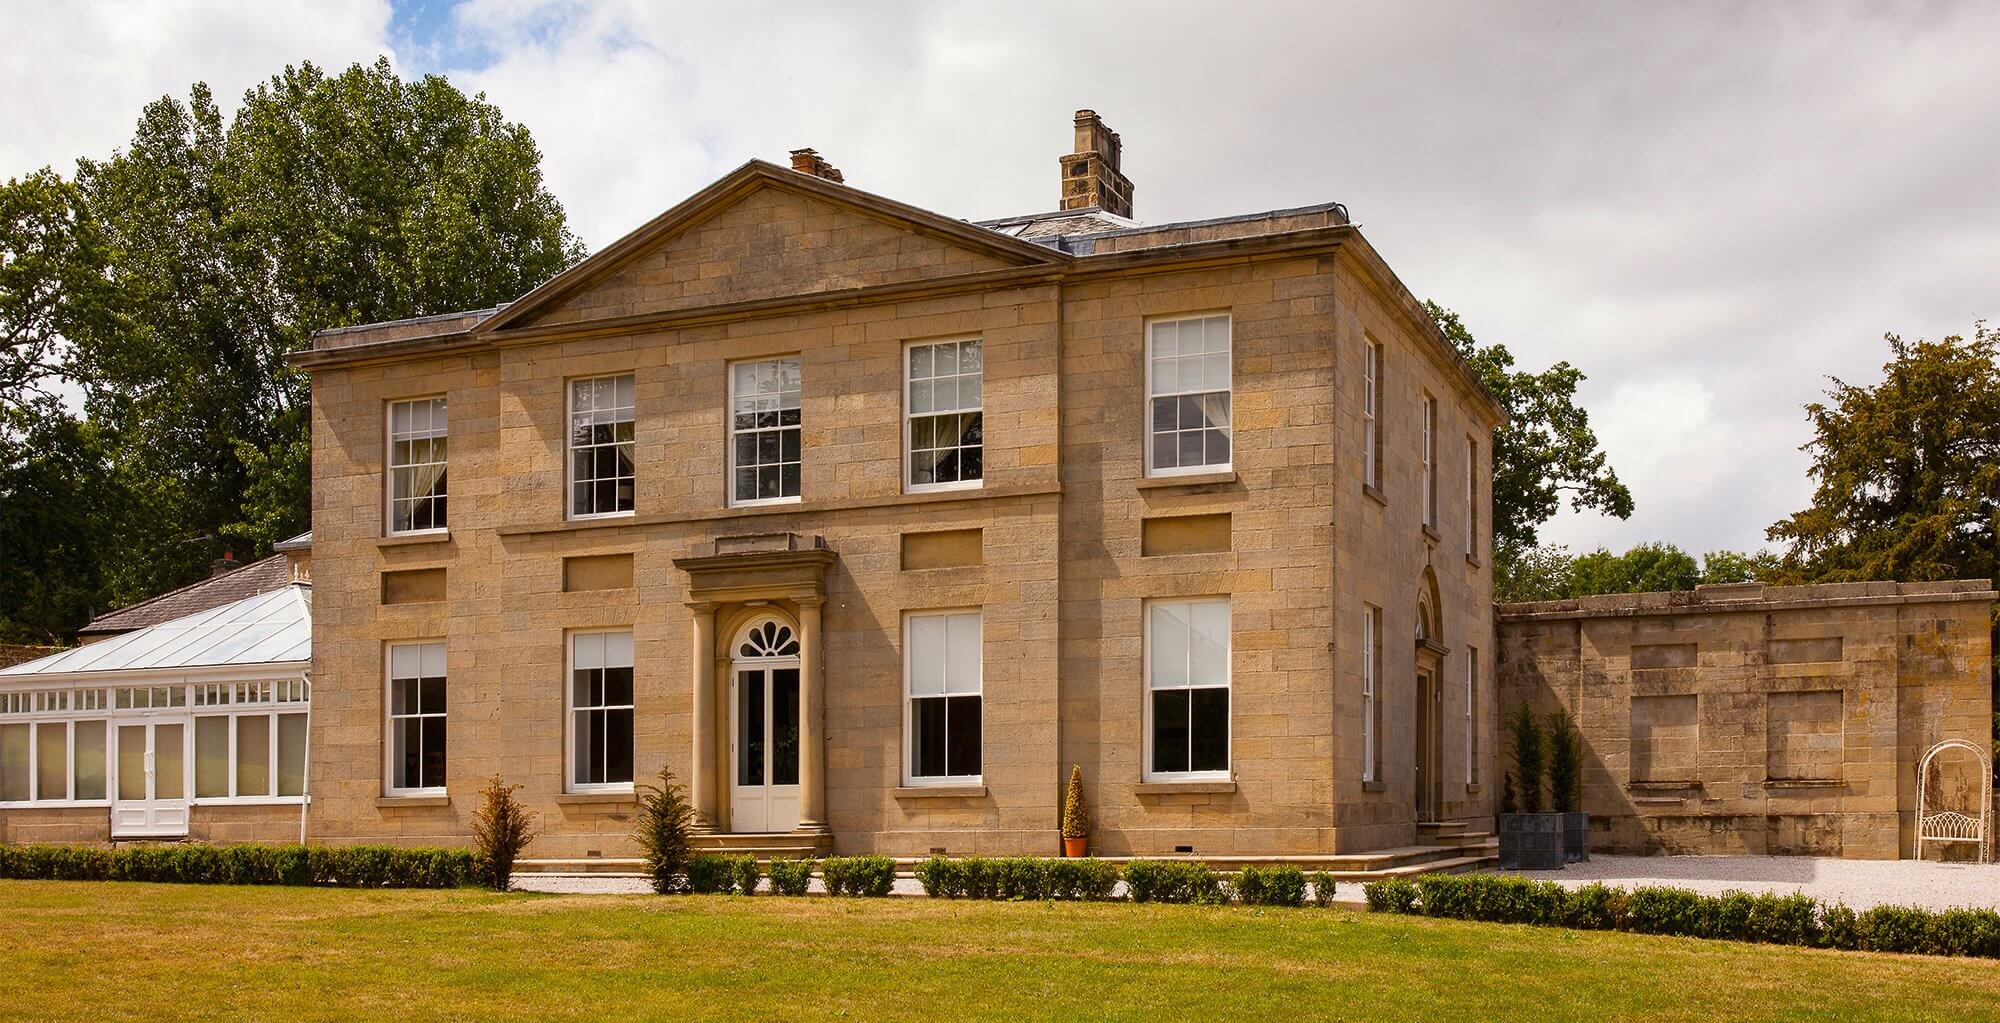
point(1794, 919)
point(355, 866)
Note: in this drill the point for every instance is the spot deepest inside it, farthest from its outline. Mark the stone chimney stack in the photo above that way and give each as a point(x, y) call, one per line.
point(807, 161)
point(1090, 175)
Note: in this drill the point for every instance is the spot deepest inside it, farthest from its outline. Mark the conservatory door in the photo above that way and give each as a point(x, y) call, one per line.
point(151, 798)
point(764, 748)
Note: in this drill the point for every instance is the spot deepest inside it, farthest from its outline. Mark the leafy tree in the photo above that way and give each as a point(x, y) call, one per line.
point(51, 284)
point(58, 520)
point(1549, 572)
point(1906, 472)
point(1545, 452)
point(328, 200)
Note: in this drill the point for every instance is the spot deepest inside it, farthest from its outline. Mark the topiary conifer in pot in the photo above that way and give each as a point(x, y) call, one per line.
point(1530, 839)
point(1566, 786)
point(1076, 816)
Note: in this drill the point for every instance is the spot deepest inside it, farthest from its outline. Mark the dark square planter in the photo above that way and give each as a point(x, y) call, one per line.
point(1576, 838)
point(1531, 841)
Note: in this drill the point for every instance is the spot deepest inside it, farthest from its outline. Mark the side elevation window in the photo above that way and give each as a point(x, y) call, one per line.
point(416, 465)
point(1187, 388)
point(600, 446)
point(1371, 701)
point(764, 431)
point(1371, 401)
point(416, 718)
point(1429, 455)
point(942, 673)
point(600, 701)
point(946, 431)
point(1187, 682)
point(1471, 498)
point(1471, 716)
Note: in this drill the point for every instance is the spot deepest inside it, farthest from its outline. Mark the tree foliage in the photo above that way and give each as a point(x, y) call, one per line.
point(1906, 472)
point(1546, 452)
point(168, 282)
point(1549, 572)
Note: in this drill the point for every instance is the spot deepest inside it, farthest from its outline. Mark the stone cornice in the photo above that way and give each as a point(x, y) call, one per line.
point(1785, 598)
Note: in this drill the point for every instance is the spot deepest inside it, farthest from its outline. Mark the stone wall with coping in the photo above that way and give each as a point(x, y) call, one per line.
point(1745, 719)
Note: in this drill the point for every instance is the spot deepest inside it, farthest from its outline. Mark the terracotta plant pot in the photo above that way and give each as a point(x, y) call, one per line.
point(1076, 847)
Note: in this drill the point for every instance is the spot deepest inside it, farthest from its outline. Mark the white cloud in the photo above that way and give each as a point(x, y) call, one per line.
point(1706, 208)
point(76, 75)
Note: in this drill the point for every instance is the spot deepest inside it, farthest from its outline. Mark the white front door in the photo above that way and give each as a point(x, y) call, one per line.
point(151, 797)
point(764, 748)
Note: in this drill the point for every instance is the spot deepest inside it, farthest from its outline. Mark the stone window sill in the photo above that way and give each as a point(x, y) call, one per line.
point(1189, 481)
point(941, 792)
point(1374, 786)
point(411, 802)
point(1431, 533)
point(1473, 560)
point(413, 539)
point(1184, 788)
point(1804, 783)
point(1472, 790)
point(1662, 786)
point(1375, 492)
point(597, 798)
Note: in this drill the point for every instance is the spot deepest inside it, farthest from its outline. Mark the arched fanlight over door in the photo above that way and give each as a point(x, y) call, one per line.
point(770, 639)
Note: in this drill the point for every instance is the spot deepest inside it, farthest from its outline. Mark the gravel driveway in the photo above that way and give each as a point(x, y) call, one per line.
point(1858, 883)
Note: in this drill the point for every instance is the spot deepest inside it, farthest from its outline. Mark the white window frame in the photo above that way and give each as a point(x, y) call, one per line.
point(1471, 718)
point(236, 797)
point(390, 717)
point(112, 706)
point(34, 722)
point(570, 711)
point(390, 437)
point(569, 470)
point(1370, 645)
point(1146, 689)
point(1152, 324)
point(910, 776)
point(1429, 495)
point(910, 417)
point(1371, 398)
point(730, 430)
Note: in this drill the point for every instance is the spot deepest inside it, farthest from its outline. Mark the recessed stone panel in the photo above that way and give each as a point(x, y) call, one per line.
point(1805, 651)
point(1184, 534)
point(597, 572)
point(945, 548)
point(413, 586)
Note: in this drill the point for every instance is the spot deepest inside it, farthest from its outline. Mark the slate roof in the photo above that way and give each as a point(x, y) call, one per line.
point(272, 573)
point(266, 628)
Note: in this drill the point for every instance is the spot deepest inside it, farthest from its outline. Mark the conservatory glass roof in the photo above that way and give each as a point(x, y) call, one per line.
point(269, 628)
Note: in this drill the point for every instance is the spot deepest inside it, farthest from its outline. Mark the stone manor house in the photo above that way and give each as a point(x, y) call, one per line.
point(869, 523)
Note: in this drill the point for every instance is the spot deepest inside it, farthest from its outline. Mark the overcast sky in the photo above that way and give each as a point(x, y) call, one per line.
point(1706, 207)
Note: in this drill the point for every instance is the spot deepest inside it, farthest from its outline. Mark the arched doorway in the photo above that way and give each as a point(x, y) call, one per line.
point(764, 726)
point(1428, 747)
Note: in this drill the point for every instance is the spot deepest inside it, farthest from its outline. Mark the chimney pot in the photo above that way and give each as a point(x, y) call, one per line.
point(1090, 176)
point(223, 564)
point(808, 161)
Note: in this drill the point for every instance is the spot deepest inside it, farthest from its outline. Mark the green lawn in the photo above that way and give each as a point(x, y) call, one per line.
point(83, 951)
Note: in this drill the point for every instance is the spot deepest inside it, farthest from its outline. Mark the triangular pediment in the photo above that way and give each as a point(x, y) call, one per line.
point(765, 233)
